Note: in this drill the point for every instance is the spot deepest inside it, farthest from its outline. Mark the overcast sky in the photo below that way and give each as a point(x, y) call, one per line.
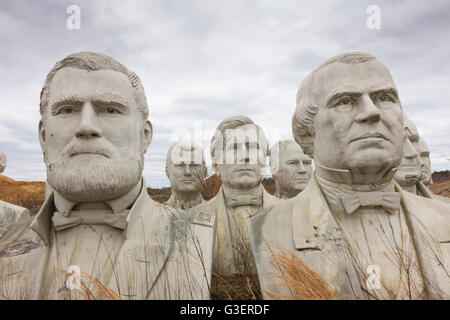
point(202, 61)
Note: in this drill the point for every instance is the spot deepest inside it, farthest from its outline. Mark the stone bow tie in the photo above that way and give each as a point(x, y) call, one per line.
point(244, 200)
point(77, 217)
point(390, 201)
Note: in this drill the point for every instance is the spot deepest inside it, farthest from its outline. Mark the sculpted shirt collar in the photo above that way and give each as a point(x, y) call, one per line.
point(234, 198)
point(335, 192)
point(177, 202)
point(42, 222)
point(117, 206)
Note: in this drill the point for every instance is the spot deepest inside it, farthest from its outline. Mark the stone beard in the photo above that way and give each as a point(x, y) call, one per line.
point(99, 170)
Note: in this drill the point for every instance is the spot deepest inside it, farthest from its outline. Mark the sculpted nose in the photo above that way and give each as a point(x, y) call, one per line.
point(369, 112)
point(301, 168)
point(187, 171)
point(88, 127)
point(410, 152)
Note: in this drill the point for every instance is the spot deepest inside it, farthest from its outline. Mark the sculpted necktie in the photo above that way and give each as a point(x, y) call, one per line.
point(390, 201)
point(77, 217)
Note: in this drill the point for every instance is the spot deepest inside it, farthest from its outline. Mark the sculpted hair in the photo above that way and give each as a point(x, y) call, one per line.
point(92, 61)
point(184, 145)
point(229, 123)
point(307, 105)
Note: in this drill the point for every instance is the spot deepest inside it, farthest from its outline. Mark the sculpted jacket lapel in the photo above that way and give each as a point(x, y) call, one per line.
point(148, 239)
point(429, 231)
point(310, 218)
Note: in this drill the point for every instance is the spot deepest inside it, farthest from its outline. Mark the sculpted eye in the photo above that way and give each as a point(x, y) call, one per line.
point(345, 101)
point(65, 110)
point(384, 97)
point(307, 161)
point(111, 110)
point(345, 104)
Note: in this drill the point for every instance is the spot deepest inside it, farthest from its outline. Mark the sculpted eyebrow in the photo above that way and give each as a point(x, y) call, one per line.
point(110, 99)
point(391, 91)
point(71, 100)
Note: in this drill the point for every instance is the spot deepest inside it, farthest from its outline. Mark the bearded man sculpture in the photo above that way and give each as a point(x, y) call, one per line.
point(291, 168)
point(186, 170)
point(238, 151)
point(9, 213)
point(98, 224)
point(353, 225)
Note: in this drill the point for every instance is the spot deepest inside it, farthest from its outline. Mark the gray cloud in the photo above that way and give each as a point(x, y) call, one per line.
point(201, 61)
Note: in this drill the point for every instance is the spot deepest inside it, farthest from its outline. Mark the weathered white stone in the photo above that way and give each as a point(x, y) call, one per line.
point(408, 173)
point(98, 217)
point(3, 162)
point(186, 170)
point(424, 153)
point(352, 218)
point(291, 168)
point(9, 213)
point(238, 152)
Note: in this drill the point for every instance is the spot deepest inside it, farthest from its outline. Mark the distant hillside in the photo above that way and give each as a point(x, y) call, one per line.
point(30, 194)
point(441, 175)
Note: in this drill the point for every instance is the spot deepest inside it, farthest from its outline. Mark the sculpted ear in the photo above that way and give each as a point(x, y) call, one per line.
point(147, 135)
point(42, 135)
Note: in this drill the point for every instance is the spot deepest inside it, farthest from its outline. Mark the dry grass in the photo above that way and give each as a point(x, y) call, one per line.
point(237, 287)
point(297, 278)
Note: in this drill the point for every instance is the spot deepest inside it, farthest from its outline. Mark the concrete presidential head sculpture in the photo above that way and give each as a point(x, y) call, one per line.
point(350, 120)
point(290, 167)
point(186, 170)
point(97, 215)
point(409, 171)
point(239, 150)
point(94, 129)
point(424, 154)
point(2, 162)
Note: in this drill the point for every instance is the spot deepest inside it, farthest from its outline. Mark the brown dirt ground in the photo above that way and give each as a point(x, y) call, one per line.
point(441, 188)
point(30, 194)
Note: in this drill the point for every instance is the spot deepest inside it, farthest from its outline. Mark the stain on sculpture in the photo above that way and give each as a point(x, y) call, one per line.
point(291, 168)
point(238, 151)
point(353, 225)
point(186, 170)
point(98, 217)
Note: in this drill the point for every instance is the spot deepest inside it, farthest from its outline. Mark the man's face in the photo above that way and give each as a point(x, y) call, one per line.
point(244, 158)
point(409, 171)
point(295, 168)
point(424, 154)
point(359, 124)
point(93, 138)
point(186, 170)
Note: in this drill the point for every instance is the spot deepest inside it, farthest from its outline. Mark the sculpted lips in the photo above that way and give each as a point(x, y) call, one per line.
point(370, 135)
point(90, 152)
